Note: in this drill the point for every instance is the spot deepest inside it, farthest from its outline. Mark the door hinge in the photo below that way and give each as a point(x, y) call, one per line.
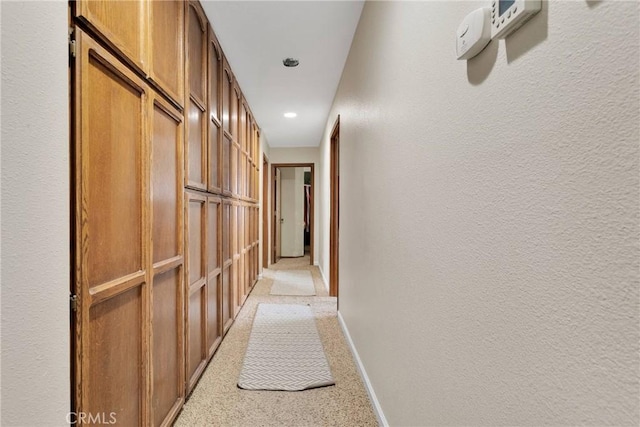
point(73, 302)
point(72, 43)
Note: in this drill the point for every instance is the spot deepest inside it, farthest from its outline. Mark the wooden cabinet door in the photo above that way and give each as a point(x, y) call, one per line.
point(167, 291)
point(196, 271)
point(242, 250)
point(215, 125)
point(121, 24)
point(166, 39)
point(197, 124)
point(227, 267)
point(112, 264)
point(227, 138)
point(235, 258)
point(214, 275)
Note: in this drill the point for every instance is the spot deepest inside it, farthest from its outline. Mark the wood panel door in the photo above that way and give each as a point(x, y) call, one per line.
point(214, 274)
point(111, 244)
point(196, 279)
point(227, 267)
point(235, 248)
point(121, 24)
point(167, 291)
point(227, 138)
point(197, 123)
point(166, 41)
point(215, 106)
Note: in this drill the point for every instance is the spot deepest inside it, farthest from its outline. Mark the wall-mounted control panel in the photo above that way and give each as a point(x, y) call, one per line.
point(509, 15)
point(473, 34)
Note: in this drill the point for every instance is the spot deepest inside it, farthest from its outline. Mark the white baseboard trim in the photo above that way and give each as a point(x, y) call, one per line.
point(363, 374)
point(324, 279)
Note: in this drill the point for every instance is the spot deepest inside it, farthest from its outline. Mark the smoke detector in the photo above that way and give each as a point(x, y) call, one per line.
point(290, 62)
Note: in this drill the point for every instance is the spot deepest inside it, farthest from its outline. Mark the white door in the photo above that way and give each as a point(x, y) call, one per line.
point(292, 212)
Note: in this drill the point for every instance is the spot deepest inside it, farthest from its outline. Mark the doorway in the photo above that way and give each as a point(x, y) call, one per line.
point(265, 211)
point(292, 210)
point(334, 222)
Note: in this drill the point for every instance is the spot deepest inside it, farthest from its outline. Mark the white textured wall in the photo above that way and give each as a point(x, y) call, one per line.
point(304, 155)
point(490, 215)
point(35, 214)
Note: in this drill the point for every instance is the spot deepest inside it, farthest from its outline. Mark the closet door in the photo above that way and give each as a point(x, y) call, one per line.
point(197, 124)
point(242, 250)
point(227, 98)
point(215, 125)
point(111, 244)
point(121, 24)
point(196, 261)
point(235, 248)
point(167, 331)
point(214, 275)
point(166, 39)
point(227, 257)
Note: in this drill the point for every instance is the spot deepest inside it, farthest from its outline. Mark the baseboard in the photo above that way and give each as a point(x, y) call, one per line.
point(363, 373)
point(324, 279)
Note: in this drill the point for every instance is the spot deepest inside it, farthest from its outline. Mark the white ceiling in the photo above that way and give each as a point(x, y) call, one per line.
point(257, 35)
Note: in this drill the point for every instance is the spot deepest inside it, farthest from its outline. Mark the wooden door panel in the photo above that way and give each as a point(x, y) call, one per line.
point(214, 332)
point(215, 121)
point(112, 147)
point(166, 182)
point(167, 47)
point(196, 262)
point(167, 350)
point(197, 51)
point(115, 358)
point(226, 164)
point(196, 356)
point(111, 238)
point(197, 123)
point(227, 89)
point(215, 76)
point(121, 24)
point(234, 169)
point(227, 259)
point(226, 297)
point(196, 148)
point(167, 334)
point(215, 134)
point(214, 220)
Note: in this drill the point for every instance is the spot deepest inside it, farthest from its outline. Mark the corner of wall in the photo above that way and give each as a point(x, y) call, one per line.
point(377, 408)
point(324, 278)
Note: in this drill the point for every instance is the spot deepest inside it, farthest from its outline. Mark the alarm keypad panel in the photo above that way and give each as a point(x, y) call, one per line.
point(509, 15)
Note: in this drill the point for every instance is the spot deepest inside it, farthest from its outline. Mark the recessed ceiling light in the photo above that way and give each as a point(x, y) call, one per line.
point(290, 115)
point(290, 62)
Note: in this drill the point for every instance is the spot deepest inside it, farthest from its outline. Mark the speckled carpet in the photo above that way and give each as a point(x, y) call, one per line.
point(217, 400)
point(293, 282)
point(284, 351)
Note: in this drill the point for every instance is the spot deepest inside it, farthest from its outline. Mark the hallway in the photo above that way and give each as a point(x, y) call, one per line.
point(478, 218)
point(218, 401)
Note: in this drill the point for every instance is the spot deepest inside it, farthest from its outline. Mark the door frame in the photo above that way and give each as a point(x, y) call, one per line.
point(334, 216)
point(275, 166)
point(265, 211)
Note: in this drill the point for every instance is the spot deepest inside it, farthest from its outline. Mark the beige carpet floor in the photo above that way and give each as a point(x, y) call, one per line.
point(217, 401)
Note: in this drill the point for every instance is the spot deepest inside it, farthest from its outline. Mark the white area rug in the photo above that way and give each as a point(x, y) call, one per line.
point(293, 282)
point(284, 351)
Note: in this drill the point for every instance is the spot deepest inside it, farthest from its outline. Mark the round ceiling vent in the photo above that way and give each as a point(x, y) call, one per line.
point(290, 62)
